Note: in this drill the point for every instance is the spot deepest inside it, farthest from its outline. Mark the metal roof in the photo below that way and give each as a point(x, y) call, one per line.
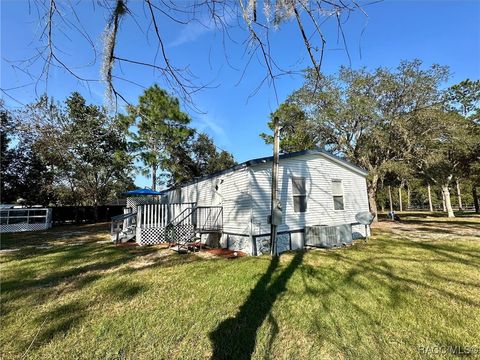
point(266, 159)
point(311, 152)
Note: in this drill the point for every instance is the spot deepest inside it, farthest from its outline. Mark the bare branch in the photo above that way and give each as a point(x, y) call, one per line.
point(259, 19)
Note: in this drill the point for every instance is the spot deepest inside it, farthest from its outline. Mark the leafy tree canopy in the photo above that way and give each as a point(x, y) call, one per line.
point(164, 141)
point(377, 119)
point(85, 148)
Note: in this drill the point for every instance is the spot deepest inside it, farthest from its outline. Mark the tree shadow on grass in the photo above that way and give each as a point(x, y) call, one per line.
point(53, 278)
point(57, 321)
point(402, 282)
point(124, 290)
point(235, 337)
point(61, 270)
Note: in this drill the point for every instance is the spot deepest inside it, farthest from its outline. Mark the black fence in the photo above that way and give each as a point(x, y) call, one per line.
point(84, 214)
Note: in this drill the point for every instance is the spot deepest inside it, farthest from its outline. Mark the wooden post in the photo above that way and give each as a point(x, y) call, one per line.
point(273, 203)
point(409, 197)
point(400, 198)
point(138, 231)
point(390, 198)
point(429, 198)
point(459, 195)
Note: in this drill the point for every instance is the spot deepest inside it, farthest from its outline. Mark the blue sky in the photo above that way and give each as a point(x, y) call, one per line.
point(443, 32)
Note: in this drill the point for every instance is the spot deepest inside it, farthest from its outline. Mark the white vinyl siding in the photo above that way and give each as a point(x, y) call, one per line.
point(245, 196)
point(230, 190)
point(318, 172)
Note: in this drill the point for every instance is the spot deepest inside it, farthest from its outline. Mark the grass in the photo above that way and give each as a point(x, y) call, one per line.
point(66, 294)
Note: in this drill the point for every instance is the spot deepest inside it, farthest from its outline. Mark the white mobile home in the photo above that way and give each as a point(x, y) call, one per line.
point(315, 188)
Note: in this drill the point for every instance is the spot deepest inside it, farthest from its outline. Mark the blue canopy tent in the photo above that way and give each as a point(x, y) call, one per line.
point(142, 192)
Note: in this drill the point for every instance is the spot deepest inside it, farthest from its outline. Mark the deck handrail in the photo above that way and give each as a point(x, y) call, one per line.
point(174, 220)
point(215, 223)
point(122, 217)
point(185, 220)
point(122, 222)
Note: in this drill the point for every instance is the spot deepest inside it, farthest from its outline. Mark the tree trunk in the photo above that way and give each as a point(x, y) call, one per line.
point(448, 203)
point(459, 195)
point(154, 177)
point(444, 206)
point(372, 199)
point(429, 198)
point(390, 198)
point(400, 204)
point(475, 198)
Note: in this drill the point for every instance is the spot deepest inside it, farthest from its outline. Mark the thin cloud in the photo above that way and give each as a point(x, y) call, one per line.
point(205, 122)
point(197, 28)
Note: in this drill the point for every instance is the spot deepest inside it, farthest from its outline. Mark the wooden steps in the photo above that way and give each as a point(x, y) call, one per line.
point(124, 235)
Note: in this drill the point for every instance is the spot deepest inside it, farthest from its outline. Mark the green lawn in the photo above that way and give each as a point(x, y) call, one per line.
point(67, 295)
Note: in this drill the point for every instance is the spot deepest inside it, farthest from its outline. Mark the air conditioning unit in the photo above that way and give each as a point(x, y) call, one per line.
point(328, 236)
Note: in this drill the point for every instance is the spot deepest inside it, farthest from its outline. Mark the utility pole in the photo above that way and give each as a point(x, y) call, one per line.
point(274, 201)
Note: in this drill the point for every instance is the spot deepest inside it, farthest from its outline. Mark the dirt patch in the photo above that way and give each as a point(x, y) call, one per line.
point(127, 244)
point(432, 228)
point(69, 234)
point(149, 259)
point(226, 253)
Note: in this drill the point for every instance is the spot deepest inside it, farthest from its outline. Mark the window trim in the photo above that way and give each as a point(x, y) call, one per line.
point(300, 195)
point(337, 195)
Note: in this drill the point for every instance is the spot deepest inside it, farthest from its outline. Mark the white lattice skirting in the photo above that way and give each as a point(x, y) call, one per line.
point(23, 227)
point(152, 236)
point(159, 235)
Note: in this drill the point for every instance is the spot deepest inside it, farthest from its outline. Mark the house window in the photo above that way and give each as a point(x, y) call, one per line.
point(337, 192)
point(299, 194)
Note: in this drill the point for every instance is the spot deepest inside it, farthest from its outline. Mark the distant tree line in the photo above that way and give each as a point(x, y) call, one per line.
point(419, 142)
point(74, 153)
point(400, 125)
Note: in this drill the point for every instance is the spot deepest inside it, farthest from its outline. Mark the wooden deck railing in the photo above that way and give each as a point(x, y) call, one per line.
point(160, 215)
